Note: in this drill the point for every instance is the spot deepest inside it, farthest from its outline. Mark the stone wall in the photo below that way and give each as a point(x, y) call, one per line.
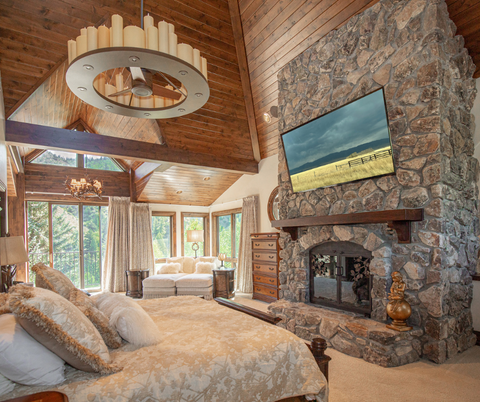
point(409, 48)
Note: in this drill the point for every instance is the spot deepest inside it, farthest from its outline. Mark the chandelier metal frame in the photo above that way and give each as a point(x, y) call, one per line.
point(84, 69)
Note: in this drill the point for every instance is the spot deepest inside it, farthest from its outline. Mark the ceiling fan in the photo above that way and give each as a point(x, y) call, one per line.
point(143, 86)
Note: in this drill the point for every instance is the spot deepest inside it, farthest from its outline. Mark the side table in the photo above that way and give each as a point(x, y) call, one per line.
point(133, 280)
point(224, 282)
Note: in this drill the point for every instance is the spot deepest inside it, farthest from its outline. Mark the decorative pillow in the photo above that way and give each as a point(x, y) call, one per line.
point(188, 265)
point(52, 279)
point(4, 308)
point(6, 385)
point(175, 260)
point(172, 268)
point(130, 320)
point(61, 327)
point(204, 267)
point(208, 259)
point(23, 359)
point(100, 320)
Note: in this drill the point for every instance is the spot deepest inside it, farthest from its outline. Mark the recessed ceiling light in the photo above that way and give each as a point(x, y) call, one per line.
point(206, 178)
point(83, 89)
point(179, 192)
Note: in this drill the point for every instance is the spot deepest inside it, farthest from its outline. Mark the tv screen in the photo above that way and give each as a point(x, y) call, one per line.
point(347, 144)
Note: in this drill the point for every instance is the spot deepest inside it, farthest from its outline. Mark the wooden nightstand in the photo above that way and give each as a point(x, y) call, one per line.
point(224, 282)
point(133, 280)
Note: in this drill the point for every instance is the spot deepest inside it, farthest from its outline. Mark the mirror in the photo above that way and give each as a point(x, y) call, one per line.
point(273, 207)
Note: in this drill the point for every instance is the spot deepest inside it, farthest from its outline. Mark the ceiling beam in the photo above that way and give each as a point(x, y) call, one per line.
point(35, 136)
point(33, 155)
point(142, 175)
point(244, 75)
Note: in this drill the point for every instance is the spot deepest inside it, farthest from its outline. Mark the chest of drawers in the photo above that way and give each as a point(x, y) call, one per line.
point(265, 259)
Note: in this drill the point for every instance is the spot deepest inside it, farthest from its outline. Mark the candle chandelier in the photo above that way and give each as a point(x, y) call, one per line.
point(114, 69)
point(84, 188)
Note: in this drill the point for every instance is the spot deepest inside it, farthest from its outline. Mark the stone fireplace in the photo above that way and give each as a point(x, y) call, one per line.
point(410, 49)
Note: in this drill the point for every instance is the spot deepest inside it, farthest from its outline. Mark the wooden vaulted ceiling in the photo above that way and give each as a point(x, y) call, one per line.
point(34, 33)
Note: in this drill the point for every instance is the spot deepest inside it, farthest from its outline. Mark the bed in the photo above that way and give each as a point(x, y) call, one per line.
point(209, 353)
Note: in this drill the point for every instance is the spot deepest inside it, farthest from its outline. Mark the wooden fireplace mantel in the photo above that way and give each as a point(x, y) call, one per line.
point(398, 219)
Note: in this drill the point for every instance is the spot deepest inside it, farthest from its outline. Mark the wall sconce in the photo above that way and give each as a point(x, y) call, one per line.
point(273, 113)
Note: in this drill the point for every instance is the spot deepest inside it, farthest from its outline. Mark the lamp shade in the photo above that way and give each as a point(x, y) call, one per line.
point(12, 250)
point(194, 236)
point(222, 256)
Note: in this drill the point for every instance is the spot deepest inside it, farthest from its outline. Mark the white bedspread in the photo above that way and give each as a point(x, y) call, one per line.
point(209, 353)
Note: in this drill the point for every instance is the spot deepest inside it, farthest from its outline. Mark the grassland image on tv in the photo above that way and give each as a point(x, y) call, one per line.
point(347, 144)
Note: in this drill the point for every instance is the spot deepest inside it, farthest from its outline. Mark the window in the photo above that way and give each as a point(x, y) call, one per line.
point(57, 158)
point(100, 163)
point(226, 234)
point(164, 235)
point(195, 221)
point(70, 237)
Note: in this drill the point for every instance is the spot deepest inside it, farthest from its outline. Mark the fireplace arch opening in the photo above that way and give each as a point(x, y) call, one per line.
point(340, 276)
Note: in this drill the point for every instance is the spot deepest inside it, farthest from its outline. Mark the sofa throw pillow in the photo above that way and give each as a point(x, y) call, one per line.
point(6, 385)
point(208, 259)
point(204, 267)
point(172, 268)
point(174, 260)
point(23, 359)
point(188, 265)
point(52, 279)
point(98, 319)
point(129, 319)
point(61, 327)
point(4, 308)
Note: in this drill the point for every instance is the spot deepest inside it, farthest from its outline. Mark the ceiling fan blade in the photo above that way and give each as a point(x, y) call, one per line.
point(125, 91)
point(137, 74)
point(158, 90)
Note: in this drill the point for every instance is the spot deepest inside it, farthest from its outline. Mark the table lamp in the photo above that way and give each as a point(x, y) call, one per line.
point(12, 252)
point(222, 257)
point(195, 236)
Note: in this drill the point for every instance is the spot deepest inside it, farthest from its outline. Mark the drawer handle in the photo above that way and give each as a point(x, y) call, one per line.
point(257, 244)
point(272, 293)
point(271, 280)
point(271, 268)
point(269, 235)
point(257, 256)
point(270, 245)
point(271, 257)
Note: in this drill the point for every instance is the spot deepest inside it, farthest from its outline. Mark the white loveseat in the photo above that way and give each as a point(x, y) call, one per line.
point(184, 283)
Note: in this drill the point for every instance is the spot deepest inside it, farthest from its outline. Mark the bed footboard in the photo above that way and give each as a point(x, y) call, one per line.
point(317, 346)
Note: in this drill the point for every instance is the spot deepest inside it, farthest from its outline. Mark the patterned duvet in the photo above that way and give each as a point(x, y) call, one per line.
point(209, 353)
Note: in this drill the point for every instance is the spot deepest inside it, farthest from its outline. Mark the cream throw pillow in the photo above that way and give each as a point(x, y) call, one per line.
point(174, 260)
point(129, 319)
point(100, 320)
point(204, 267)
point(188, 265)
point(23, 359)
point(61, 327)
point(172, 268)
point(52, 279)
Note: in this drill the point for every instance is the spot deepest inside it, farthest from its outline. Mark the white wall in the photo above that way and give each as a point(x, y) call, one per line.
point(260, 184)
point(476, 140)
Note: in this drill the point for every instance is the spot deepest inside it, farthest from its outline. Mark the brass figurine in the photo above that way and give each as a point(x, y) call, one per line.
point(398, 308)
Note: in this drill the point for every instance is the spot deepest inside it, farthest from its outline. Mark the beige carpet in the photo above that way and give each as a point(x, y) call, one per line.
point(354, 380)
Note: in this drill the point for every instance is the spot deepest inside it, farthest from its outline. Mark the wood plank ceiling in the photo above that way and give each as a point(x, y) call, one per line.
point(33, 36)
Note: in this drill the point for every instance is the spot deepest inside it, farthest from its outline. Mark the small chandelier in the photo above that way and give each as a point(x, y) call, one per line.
point(84, 188)
point(129, 57)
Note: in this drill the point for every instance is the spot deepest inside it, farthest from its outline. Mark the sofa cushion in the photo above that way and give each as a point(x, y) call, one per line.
point(161, 280)
point(173, 260)
point(170, 268)
point(204, 267)
point(195, 281)
point(215, 260)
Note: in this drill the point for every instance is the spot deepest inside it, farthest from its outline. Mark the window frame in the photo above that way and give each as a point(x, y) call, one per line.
point(173, 233)
point(80, 234)
point(206, 230)
point(216, 232)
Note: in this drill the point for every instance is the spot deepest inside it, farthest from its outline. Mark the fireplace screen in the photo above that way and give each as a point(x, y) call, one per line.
point(340, 276)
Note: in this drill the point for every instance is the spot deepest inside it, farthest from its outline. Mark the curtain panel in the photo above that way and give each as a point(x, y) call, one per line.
point(141, 243)
point(249, 226)
point(118, 245)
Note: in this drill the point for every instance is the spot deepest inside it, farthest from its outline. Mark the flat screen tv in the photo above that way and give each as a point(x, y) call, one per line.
point(347, 144)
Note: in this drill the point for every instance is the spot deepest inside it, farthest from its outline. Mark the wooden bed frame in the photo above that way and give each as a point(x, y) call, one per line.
point(317, 347)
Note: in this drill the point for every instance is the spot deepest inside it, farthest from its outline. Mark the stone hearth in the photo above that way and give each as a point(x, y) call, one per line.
point(409, 48)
